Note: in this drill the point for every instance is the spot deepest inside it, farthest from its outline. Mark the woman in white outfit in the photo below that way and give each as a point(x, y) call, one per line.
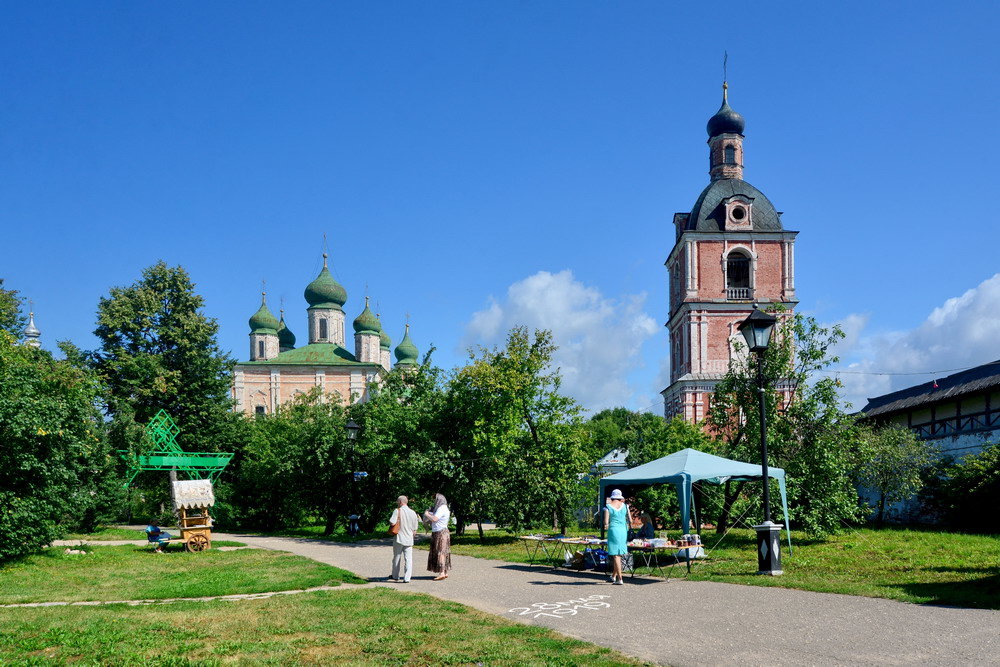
point(439, 558)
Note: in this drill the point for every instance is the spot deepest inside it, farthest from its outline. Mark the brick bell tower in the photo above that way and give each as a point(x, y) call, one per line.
point(731, 251)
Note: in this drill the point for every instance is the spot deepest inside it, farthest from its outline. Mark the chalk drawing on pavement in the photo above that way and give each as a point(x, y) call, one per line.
point(564, 608)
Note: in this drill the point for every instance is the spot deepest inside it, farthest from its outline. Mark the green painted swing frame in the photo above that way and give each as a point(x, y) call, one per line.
point(166, 454)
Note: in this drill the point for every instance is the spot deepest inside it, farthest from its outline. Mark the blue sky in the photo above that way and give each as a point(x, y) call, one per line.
point(479, 165)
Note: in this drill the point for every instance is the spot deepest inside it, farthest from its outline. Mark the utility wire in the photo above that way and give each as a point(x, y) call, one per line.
point(937, 372)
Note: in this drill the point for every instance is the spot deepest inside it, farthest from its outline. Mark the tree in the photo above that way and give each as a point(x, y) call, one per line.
point(968, 492)
point(263, 486)
point(11, 319)
point(399, 444)
point(808, 433)
point(648, 437)
point(523, 429)
point(891, 462)
point(54, 461)
point(644, 435)
point(159, 351)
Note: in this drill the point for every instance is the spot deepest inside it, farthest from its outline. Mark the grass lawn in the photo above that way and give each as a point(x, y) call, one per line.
point(134, 573)
point(362, 626)
point(909, 565)
point(111, 533)
point(339, 534)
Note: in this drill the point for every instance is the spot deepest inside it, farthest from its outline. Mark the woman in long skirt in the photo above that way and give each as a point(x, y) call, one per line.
point(439, 558)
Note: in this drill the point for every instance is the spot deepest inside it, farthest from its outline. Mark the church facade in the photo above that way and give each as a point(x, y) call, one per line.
point(278, 371)
point(731, 251)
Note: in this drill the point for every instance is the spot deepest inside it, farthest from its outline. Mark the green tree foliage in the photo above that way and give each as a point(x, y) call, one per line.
point(648, 437)
point(808, 433)
point(298, 464)
point(261, 488)
point(292, 466)
point(399, 445)
point(523, 431)
point(55, 466)
point(11, 319)
point(157, 350)
point(644, 435)
point(892, 460)
point(967, 493)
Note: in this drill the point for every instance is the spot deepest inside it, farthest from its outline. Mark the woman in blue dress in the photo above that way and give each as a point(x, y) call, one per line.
point(617, 518)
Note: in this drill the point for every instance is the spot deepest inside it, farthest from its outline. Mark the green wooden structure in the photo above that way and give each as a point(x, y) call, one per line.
point(166, 454)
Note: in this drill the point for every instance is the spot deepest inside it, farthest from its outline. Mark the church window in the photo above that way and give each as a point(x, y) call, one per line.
point(260, 348)
point(259, 410)
point(730, 154)
point(737, 271)
point(322, 329)
point(739, 213)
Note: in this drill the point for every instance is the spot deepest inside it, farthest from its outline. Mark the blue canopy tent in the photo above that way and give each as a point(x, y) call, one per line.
point(683, 469)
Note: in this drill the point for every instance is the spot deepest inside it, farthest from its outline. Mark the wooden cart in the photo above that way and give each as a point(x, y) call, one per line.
point(192, 500)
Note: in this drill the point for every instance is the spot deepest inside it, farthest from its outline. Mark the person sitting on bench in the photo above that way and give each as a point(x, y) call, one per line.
point(158, 537)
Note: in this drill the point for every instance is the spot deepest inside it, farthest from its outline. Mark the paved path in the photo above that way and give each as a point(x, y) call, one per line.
point(687, 622)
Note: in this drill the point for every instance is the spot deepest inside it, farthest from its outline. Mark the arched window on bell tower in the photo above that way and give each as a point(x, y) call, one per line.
point(739, 286)
point(730, 154)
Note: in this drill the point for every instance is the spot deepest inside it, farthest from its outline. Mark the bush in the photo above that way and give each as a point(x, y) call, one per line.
point(55, 465)
point(967, 492)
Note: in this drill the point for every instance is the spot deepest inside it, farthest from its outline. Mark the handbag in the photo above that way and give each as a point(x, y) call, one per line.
point(394, 528)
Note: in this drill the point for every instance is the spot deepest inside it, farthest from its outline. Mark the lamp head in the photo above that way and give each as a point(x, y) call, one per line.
point(757, 328)
point(352, 428)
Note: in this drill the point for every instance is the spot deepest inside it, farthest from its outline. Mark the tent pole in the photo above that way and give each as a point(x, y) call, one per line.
point(694, 508)
point(784, 507)
point(600, 507)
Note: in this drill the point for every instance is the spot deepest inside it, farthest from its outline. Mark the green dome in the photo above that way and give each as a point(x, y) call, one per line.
point(285, 336)
point(366, 322)
point(406, 351)
point(384, 341)
point(325, 291)
point(264, 321)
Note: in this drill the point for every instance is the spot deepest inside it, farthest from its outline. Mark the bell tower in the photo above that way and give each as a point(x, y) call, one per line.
point(730, 252)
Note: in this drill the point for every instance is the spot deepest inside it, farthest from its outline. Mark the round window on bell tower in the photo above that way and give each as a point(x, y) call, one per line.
point(739, 213)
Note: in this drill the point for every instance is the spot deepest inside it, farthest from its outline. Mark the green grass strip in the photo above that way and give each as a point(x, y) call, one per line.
point(363, 626)
point(135, 573)
point(106, 533)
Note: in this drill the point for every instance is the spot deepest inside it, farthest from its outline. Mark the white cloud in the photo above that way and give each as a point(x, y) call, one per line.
point(962, 332)
point(599, 338)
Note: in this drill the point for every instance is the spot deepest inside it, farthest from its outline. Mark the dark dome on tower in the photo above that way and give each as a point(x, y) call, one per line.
point(726, 120)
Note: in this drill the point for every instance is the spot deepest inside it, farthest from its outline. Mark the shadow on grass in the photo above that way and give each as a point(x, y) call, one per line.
point(981, 593)
point(487, 541)
point(995, 571)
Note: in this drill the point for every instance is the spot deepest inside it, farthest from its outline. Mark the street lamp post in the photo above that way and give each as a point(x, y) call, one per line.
point(352, 428)
point(757, 329)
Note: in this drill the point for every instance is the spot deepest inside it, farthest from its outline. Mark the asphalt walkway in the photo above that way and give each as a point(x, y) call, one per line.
point(683, 622)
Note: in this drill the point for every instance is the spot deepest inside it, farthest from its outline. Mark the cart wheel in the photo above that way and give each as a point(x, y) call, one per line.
point(198, 543)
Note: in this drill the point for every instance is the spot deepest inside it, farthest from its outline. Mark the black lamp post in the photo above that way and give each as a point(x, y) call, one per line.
point(757, 329)
point(352, 428)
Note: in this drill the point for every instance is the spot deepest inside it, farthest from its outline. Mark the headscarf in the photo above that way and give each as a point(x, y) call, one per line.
point(439, 502)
